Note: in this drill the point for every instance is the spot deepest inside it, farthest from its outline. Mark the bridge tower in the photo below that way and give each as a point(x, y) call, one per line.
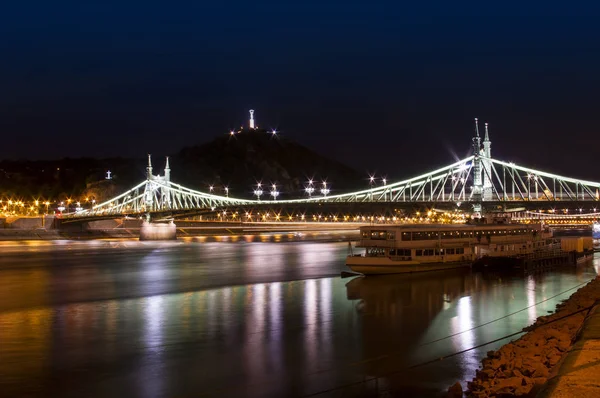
point(487, 166)
point(168, 170)
point(476, 194)
point(157, 198)
point(165, 196)
point(148, 194)
point(149, 168)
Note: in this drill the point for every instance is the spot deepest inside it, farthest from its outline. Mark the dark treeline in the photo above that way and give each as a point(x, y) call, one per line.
point(237, 162)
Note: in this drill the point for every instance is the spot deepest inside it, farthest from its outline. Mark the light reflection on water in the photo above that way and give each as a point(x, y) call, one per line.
point(147, 323)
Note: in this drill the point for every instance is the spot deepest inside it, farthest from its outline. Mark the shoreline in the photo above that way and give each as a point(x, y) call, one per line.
point(14, 234)
point(523, 367)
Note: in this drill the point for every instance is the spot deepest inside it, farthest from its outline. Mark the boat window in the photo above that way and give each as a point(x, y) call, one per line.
point(376, 251)
point(428, 252)
point(400, 252)
point(418, 252)
point(378, 234)
point(391, 235)
point(449, 251)
point(406, 236)
point(366, 234)
point(460, 250)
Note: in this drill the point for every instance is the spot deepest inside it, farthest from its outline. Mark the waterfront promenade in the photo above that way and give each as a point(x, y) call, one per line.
point(579, 373)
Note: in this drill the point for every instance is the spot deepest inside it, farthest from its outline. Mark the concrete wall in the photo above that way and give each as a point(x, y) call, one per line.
point(158, 231)
point(104, 224)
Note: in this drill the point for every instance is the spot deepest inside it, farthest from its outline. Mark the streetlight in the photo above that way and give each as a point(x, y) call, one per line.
point(371, 182)
point(258, 191)
point(274, 192)
point(325, 190)
point(309, 189)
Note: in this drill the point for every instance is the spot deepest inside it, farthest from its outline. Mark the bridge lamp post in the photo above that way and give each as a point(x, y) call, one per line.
point(258, 191)
point(384, 190)
point(274, 192)
point(210, 188)
point(226, 192)
point(371, 182)
point(325, 190)
point(309, 189)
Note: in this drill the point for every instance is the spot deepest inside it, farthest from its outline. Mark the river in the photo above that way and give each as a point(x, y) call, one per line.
point(255, 316)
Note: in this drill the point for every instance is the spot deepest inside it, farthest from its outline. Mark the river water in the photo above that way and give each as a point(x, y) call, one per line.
point(256, 316)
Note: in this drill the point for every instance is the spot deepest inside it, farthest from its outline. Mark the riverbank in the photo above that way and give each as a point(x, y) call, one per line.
point(522, 367)
point(350, 232)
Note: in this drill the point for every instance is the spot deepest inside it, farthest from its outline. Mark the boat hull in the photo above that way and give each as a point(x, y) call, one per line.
point(384, 265)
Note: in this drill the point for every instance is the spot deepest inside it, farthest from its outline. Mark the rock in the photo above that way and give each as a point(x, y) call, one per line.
point(516, 373)
point(564, 345)
point(540, 371)
point(556, 334)
point(507, 386)
point(538, 381)
point(455, 391)
point(554, 359)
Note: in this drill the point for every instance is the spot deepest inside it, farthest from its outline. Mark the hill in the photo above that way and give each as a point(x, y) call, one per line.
point(241, 160)
point(237, 162)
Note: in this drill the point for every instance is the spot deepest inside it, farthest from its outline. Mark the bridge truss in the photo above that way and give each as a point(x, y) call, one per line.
point(475, 180)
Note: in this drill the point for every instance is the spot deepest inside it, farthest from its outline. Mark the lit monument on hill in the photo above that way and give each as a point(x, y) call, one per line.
point(252, 119)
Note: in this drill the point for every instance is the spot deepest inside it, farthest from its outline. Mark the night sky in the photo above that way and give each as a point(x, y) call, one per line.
point(385, 88)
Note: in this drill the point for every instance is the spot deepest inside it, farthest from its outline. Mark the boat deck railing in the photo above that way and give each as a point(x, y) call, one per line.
point(552, 250)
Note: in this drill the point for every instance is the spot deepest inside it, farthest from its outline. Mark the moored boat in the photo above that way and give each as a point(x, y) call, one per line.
point(391, 249)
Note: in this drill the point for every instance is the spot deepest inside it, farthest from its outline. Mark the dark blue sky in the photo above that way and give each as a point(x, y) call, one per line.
point(383, 87)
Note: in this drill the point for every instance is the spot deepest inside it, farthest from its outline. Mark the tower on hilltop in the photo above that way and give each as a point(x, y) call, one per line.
point(252, 119)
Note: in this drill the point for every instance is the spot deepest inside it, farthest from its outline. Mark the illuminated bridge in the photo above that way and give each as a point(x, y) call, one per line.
point(476, 184)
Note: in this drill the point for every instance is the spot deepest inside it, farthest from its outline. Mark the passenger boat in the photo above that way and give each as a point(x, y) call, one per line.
point(392, 249)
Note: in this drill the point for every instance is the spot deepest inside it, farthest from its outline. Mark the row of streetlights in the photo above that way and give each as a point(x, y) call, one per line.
point(259, 190)
point(310, 188)
point(33, 207)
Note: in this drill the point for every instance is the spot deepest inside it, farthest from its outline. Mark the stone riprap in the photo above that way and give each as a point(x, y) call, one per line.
point(521, 367)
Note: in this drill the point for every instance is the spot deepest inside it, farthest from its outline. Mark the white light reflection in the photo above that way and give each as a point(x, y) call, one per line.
point(461, 323)
point(310, 322)
point(258, 307)
point(325, 325)
point(275, 321)
point(531, 311)
point(254, 354)
point(153, 317)
point(275, 342)
point(153, 342)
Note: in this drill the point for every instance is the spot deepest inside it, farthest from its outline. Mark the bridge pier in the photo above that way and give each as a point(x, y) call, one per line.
point(158, 231)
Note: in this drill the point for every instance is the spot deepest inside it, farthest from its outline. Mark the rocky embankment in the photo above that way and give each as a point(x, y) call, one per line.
point(521, 367)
